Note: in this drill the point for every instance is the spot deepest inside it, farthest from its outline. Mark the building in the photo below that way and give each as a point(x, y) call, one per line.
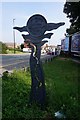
point(58, 49)
point(50, 48)
point(11, 45)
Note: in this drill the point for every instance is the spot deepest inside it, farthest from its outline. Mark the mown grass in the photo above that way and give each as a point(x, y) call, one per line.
point(62, 92)
point(62, 80)
point(11, 51)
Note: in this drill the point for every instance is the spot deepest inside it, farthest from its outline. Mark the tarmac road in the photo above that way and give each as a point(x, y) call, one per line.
point(15, 61)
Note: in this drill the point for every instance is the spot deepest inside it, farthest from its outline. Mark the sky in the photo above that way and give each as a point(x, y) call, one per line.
point(21, 11)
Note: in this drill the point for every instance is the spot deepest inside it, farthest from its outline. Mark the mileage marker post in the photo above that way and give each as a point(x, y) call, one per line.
point(36, 27)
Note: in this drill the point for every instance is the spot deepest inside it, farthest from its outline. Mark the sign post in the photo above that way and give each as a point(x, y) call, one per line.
point(36, 27)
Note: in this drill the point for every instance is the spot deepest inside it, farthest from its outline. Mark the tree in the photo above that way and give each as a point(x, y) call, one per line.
point(72, 9)
point(22, 46)
point(3, 48)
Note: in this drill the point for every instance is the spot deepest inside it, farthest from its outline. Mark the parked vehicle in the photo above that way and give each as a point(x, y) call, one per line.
point(27, 50)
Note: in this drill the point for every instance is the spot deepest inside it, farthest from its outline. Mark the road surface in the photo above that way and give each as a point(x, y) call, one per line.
point(15, 61)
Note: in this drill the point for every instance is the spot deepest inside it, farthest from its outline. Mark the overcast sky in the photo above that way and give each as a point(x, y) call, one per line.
point(21, 11)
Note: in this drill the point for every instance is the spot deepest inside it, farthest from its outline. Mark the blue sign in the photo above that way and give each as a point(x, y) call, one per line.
point(65, 44)
point(75, 43)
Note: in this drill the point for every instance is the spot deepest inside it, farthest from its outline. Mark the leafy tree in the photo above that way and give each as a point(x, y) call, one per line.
point(3, 48)
point(22, 46)
point(72, 9)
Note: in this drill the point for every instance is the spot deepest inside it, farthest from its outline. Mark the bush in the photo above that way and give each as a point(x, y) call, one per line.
point(3, 48)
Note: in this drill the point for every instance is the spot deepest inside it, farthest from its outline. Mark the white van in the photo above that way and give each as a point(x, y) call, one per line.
point(27, 50)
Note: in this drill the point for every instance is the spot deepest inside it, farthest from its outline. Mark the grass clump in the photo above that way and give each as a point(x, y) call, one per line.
point(62, 93)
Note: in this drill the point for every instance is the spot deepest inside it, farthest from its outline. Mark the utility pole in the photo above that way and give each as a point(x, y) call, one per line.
point(14, 34)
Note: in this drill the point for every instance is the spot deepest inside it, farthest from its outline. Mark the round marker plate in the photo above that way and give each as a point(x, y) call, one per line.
point(36, 25)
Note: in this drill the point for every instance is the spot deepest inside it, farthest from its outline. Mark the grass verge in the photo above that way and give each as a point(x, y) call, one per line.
point(62, 92)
